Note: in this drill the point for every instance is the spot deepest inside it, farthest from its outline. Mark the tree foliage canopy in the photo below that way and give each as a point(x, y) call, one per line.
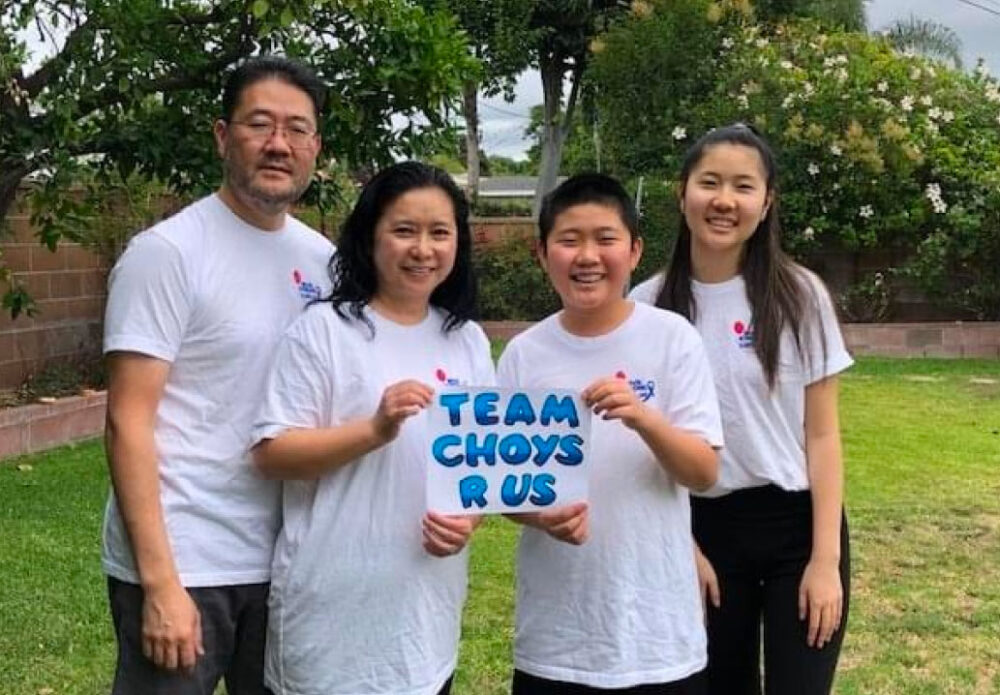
point(132, 86)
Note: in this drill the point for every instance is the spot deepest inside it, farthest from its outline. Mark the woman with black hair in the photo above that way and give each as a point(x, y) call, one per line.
point(367, 588)
point(772, 530)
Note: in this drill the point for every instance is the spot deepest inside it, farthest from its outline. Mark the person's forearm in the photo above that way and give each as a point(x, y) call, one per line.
point(134, 471)
point(826, 484)
point(687, 457)
point(306, 454)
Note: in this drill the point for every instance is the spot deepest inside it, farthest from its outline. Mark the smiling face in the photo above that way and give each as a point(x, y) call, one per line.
point(589, 255)
point(416, 240)
point(724, 199)
point(263, 170)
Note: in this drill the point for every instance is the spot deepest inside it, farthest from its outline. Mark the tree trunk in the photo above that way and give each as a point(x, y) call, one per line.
point(551, 69)
point(470, 92)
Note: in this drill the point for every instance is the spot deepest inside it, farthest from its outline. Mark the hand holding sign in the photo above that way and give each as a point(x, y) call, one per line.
point(614, 398)
point(446, 535)
point(570, 524)
point(399, 401)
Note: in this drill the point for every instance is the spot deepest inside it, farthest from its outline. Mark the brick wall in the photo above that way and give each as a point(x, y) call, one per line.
point(68, 286)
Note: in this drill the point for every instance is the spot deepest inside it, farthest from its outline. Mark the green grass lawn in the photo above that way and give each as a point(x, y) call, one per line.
point(922, 441)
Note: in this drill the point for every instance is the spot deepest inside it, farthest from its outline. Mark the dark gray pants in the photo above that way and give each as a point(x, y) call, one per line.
point(234, 627)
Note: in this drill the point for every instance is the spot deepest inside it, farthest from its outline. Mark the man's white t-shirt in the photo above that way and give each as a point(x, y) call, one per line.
point(357, 605)
point(624, 608)
point(765, 429)
point(212, 295)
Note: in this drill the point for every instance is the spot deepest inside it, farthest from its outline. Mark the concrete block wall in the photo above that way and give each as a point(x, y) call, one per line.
point(68, 287)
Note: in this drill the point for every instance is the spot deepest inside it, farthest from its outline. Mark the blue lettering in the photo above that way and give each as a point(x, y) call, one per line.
point(514, 449)
point(519, 410)
point(472, 489)
point(440, 444)
point(543, 494)
point(558, 409)
point(571, 454)
point(487, 451)
point(546, 447)
point(453, 402)
point(484, 406)
point(511, 496)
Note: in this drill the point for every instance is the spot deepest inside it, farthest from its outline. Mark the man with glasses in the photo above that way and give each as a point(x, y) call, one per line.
point(195, 307)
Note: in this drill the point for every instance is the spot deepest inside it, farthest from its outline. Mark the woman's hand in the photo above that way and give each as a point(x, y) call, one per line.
point(399, 401)
point(821, 601)
point(445, 534)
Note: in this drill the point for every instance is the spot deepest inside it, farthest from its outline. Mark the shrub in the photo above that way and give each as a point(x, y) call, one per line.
point(512, 285)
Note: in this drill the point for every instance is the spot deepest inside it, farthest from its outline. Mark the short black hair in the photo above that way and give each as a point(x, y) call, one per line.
point(262, 68)
point(581, 189)
point(352, 268)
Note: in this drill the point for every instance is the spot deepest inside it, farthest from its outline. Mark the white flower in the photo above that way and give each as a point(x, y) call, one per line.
point(680, 133)
point(931, 71)
point(915, 74)
point(882, 86)
point(836, 185)
point(836, 150)
point(829, 62)
point(948, 116)
point(934, 113)
point(788, 101)
point(993, 93)
point(727, 42)
point(809, 233)
point(787, 64)
point(933, 190)
point(808, 88)
point(927, 100)
point(743, 100)
point(762, 42)
point(841, 59)
point(932, 128)
point(841, 74)
point(866, 211)
point(813, 169)
point(906, 104)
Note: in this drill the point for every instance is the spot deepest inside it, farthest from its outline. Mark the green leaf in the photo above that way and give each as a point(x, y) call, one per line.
point(260, 8)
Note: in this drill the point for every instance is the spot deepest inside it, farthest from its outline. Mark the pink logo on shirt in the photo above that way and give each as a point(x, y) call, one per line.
point(744, 334)
point(307, 290)
point(443, 377)
point(644, 389)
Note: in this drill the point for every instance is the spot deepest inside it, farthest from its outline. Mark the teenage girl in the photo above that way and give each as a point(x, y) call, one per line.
point(367, 588)
point(771, 532)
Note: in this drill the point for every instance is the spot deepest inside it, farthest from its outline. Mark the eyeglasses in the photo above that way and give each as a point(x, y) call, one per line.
point(297, 136)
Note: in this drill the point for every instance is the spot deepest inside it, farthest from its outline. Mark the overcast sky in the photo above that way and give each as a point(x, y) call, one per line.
point(979, 30)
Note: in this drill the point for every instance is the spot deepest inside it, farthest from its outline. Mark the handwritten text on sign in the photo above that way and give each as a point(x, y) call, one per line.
point(506, 450)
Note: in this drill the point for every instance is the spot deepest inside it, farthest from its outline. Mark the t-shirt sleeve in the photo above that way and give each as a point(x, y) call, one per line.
point(507, 367)
point(299, 391)
point(149, 299)
point(825, 338)
point(647, 291)
point(693, 405)
point(482, 359)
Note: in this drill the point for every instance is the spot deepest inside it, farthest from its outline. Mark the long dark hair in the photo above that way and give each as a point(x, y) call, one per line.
point(352, 268)
point(778, 289)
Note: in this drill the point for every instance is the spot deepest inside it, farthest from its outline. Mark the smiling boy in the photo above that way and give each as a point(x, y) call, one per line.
point(607, 596)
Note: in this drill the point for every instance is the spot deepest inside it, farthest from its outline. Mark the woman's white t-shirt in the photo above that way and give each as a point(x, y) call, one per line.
point(765, 428)
point(357, 605)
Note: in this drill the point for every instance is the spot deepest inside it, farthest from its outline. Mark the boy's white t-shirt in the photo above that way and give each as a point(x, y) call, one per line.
point(623, 608)
point(357, 605)
point(765, 429)
point(212, 295)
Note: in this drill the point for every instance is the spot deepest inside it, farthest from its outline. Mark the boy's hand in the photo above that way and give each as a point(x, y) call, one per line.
point(399, 401)
point(445, 534)
point(613, 399)
point(569, 524)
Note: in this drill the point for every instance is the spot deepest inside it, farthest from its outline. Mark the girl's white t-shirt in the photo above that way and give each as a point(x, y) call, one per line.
point(357, 605)
point(765, 428)
point(622, 609)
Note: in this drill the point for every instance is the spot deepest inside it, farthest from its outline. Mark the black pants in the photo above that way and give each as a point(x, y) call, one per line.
point(759, 541)
point(233, 628)
point(526, 684)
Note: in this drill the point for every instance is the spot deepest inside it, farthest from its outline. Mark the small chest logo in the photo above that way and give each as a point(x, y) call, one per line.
point(307, 290)
point(744, 335)
point(644, 388)
point(443, 378)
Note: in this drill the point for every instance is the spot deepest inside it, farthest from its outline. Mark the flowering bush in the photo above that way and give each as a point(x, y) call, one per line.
point(876, 149)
